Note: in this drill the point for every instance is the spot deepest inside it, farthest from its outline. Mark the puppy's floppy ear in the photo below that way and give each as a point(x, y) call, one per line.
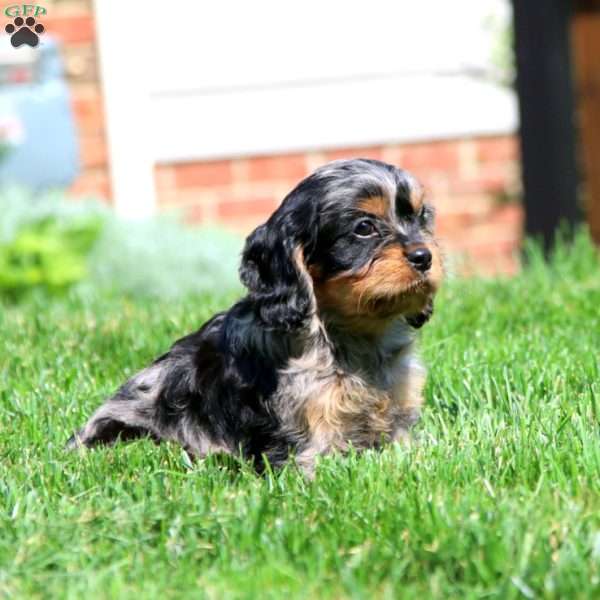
point(274, 263)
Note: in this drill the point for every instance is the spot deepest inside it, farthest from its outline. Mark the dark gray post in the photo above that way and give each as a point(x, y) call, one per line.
point(546, 104)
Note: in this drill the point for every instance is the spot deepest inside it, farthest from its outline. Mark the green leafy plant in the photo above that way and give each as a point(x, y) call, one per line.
point(47, 255)
point(157, 257)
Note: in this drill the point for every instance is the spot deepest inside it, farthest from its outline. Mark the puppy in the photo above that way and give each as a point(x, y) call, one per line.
point(318, 357)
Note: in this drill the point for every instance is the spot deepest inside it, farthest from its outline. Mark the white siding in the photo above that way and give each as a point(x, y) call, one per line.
point(222, 78)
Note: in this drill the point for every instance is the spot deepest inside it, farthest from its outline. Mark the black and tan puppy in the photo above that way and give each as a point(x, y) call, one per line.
point(318, 356)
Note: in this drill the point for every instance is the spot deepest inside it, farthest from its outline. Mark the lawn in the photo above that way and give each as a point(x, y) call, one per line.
point(499, 498)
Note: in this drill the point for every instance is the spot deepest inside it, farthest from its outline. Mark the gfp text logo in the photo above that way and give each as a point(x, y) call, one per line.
point(24, 28)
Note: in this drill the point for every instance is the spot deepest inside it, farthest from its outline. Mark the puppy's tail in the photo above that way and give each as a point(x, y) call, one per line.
point(128, 415)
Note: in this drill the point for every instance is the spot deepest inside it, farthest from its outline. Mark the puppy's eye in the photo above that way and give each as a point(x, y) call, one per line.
point(364, 228)
point(426, 215)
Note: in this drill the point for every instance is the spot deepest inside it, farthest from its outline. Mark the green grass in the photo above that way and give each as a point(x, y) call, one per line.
point(500, 497)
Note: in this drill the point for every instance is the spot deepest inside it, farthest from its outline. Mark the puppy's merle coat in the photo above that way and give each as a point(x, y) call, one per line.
point(318, 356)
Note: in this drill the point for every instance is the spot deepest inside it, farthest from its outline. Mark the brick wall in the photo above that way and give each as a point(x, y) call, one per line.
point(472, 182)
point(71, 22)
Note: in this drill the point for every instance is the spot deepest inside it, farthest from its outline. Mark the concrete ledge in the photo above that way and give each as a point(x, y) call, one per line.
point(206, 125)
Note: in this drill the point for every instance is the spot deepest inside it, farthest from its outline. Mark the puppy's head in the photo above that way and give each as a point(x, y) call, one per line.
point(353, 241)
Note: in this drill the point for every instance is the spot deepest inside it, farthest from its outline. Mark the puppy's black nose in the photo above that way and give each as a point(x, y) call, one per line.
point(420, 259)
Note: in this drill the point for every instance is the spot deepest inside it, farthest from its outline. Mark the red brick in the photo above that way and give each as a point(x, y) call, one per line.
point(245, 225)
point(250, 207)
point(487, 234)
point(217, 172)
point(290, 166)
point(74, 29)
point(497, 149)
point(93, 183)
point(375, 152)
point(195, 214)
point(80, 62)
point(471, 204)
point(164, 178)
point(493, 178)
point(172, 199)
point(88, 111)
point(431, 156)
point(92, 150)
point(485, 256)
point(450, 225)
point(510, 215)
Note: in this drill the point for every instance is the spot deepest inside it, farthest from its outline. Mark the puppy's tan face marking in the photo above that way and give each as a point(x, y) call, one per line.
point(376, 205)
point(388, 284)
point(417, 197)
point(386, 288)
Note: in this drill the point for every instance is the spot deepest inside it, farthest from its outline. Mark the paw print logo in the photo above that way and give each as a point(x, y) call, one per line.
point(24, 31)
